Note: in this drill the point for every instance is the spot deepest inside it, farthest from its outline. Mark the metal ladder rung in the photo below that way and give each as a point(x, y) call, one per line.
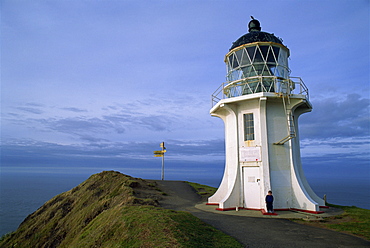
point(290, 123)
point(281, 142)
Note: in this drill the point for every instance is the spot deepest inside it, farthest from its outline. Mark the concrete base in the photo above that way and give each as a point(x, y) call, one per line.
point(278, 213)
point(263, 211)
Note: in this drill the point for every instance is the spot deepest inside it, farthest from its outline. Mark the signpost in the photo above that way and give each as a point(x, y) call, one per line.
point(161, 154)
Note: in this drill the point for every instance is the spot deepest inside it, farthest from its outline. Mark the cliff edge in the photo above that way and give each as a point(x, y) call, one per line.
point(113, 210)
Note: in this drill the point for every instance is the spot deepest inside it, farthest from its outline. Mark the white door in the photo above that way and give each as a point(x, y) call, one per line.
point(252, 189)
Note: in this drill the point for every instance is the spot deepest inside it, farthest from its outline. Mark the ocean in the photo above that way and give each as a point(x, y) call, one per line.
point(23, 193)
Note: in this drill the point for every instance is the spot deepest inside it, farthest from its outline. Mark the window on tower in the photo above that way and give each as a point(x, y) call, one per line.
point(248, 127)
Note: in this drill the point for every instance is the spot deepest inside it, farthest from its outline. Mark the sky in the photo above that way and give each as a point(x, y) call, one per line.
point(96, 85)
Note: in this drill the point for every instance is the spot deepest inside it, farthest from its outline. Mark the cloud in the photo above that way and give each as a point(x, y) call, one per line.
point(74, 109)
point(354, 148)
point(92, 138)
point(75, 125)
point(336, 117)
point(93, 84)
point(107, 149)
point(210, 148)
point(156, 123)
point(122, 119)
point(31, 107)
point(133, 158)
point(31, 110)
point(151, 122)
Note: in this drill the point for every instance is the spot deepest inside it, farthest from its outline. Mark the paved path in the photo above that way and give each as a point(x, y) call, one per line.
point(254, 230)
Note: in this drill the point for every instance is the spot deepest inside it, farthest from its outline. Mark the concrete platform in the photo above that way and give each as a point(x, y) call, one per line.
point(289, 214)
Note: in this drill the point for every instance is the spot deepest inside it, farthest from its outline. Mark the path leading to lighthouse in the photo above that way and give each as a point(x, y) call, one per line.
point(253, 229)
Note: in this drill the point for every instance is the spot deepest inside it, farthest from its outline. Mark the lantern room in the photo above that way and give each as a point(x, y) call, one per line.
point(256, 62)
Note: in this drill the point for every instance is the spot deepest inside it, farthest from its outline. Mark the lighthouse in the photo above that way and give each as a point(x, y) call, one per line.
point(260, 104)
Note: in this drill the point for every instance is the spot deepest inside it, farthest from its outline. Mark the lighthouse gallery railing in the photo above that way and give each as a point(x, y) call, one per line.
point(257, 84)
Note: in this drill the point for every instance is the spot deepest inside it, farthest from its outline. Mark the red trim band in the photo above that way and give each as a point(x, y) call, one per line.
point(266, 213)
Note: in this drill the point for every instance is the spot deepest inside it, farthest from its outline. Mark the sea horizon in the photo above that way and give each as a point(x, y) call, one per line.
point(23, 193)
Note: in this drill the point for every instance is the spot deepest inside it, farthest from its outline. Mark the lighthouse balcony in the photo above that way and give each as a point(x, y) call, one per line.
point(252, 85)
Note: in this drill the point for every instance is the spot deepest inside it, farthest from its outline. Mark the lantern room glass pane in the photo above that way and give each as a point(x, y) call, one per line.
point(235, 75)
point(282, 72)
point(233, 61)
point(258, 57)
point(247, 71)
point(250, 52)
point(264, 50)
point(245, 58)
point(272, 69)
point(276, 52)
point(270, 56)
point(228, 65)
point(238, 55)
point(259, 69)
point(266, 71)
point(283, 58)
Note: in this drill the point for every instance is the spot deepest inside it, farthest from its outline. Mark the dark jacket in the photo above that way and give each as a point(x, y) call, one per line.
point(269, 198)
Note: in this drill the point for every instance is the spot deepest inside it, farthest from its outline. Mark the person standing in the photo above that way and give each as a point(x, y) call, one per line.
point(269, 201)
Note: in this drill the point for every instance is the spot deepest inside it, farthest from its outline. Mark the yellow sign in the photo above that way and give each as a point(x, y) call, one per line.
point(159, 152)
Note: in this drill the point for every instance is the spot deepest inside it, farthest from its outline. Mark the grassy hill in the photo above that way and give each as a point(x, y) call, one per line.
point(113, 210)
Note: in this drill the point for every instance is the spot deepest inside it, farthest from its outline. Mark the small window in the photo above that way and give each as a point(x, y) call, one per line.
point(248, 127)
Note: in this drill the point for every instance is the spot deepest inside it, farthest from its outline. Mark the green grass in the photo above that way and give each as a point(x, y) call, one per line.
point(354, 220)
point(113, 210)
point(149, 226)
point(203, 190)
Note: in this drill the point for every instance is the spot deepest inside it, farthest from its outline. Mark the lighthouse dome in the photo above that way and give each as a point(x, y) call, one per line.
point(255, 35)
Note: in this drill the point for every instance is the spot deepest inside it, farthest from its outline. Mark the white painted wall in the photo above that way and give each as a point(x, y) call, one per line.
point(279, 168)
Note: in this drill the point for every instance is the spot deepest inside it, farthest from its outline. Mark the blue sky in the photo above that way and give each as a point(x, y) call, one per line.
point(93, 85)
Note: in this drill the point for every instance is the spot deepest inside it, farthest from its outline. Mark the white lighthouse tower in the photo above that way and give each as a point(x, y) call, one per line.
point(260, 104)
